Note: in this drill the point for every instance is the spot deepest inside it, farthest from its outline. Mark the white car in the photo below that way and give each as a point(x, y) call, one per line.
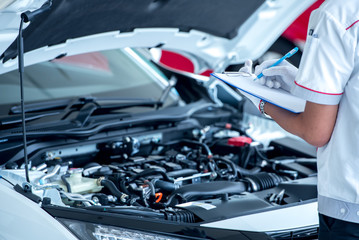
point(110, 145)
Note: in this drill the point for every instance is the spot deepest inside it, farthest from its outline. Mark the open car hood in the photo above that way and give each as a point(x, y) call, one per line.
point(106, 157)
point(218, 32)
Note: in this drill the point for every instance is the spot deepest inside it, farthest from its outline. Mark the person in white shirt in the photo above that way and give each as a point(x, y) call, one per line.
point(328, 79)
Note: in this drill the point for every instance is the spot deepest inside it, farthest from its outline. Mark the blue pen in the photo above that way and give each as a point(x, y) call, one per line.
point(288, 55)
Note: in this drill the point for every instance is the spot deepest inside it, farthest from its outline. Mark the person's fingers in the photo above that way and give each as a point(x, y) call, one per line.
point(244, 69)
point(275, 71)
point(248, 63)
point(277, 84)
point(266, 64)
point(270, 83)
point(283, 66)
point(262, 80)
point(286, 63)
point(247, 68)
point(258, 69)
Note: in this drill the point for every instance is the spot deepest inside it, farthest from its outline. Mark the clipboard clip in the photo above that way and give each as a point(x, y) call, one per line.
point(237, 74)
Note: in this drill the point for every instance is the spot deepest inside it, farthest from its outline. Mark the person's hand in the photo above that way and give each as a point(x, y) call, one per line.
point(258, 103)
point(248, 67)
point(280, 76)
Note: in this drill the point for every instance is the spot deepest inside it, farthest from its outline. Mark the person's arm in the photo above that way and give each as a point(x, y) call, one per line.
point(315, 125)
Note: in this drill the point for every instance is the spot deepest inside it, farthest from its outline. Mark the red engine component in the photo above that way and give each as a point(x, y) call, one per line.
point(239, 141)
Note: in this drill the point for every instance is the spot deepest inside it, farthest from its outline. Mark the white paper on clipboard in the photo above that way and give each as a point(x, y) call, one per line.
point(277, 97)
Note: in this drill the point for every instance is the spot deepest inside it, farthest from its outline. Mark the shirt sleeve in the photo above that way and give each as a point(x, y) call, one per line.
point(327, 61)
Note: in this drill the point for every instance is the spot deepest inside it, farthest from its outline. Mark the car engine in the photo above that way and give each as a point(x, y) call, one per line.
point(180, 172)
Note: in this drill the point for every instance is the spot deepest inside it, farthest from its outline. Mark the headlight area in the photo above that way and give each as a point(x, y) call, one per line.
point(92, 225)
point(299, 234)
point(91, 231)
point(95, 231)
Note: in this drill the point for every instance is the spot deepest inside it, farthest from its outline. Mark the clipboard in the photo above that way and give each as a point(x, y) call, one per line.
point(278, 97)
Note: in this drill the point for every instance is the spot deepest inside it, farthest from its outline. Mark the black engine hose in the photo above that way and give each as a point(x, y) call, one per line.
point(248, 156)
point(64, 179)
point(263, 181)
point(123, 187)
point(163, 185)
point(229, 162)
point(113, 189)
point(203, 145)
point(149, 172)
point(192, 191)
point(246, 172)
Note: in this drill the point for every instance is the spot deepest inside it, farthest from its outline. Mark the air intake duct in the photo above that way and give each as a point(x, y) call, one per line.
point(180, 216)
point(262, 181)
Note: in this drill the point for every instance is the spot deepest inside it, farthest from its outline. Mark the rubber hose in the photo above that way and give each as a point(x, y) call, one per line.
point(164, 186)
point(191, 191)
point(64, 179)
point(112, 188)
point(229, 162)
point(149, 172)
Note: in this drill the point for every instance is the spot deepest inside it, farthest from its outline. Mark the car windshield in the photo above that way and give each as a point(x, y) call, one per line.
point(121, 73)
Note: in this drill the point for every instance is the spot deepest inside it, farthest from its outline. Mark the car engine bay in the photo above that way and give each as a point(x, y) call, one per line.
point(100, 140)
point(191, 171)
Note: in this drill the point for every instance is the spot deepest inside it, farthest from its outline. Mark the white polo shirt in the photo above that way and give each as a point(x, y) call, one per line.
point(329, 74)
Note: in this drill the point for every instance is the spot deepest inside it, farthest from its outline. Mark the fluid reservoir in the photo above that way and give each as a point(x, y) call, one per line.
point(80, 184)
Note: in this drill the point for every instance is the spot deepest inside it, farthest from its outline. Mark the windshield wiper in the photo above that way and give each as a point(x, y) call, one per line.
point(89, 108)
point(85, 106)
point(67, 104)
point(64, 107)
point(9, 120)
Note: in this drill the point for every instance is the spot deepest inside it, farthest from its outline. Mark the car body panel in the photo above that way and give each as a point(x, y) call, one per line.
point(263, 221)
point(24, 219)
point(242, 40)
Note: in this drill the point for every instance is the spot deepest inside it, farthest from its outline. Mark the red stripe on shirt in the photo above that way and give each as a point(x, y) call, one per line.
point(259, 105)
point(352, 25)
point(316, 91)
